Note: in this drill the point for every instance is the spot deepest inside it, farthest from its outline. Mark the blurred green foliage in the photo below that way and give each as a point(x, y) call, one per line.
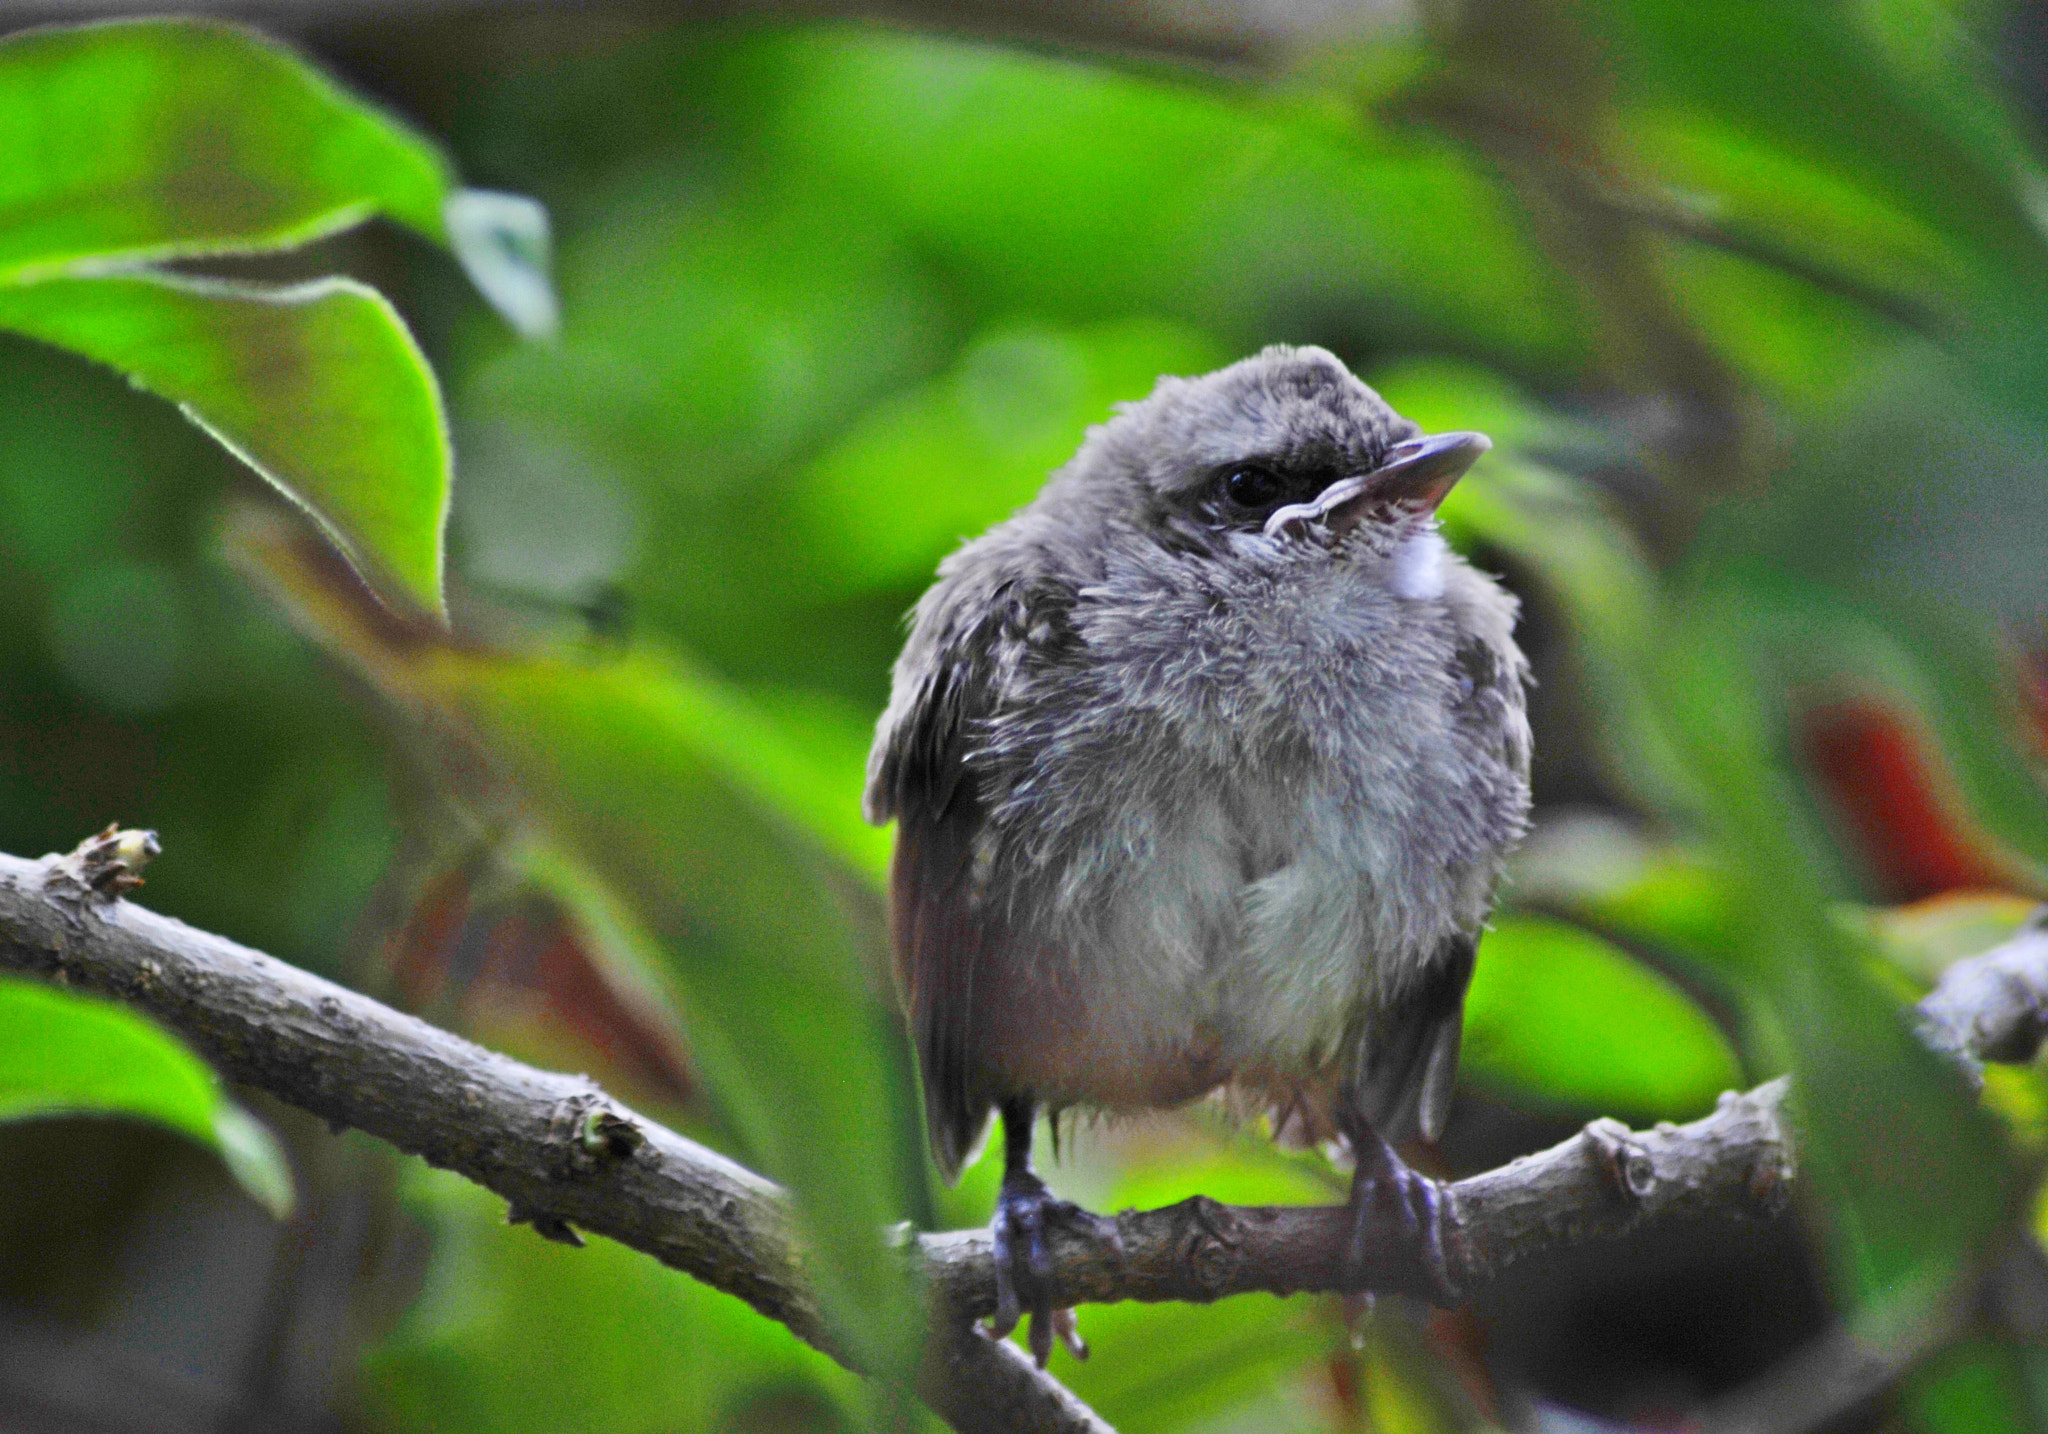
point(64, 1054)
point(1748, 296)
point(1559, 1014)
point(514, 1332)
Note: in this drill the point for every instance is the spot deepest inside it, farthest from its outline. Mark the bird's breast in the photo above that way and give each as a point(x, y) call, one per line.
point(1248, 920)
point(1229, 850)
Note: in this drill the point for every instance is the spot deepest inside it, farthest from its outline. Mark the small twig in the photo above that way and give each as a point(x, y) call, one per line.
point(1993, 1007)
point(567, 1157)
point(102, 867)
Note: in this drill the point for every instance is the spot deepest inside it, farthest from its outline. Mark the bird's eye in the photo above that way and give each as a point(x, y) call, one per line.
point(1252, 487)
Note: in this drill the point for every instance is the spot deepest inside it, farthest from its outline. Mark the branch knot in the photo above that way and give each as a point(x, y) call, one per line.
point(1628, 1167)
point(585, 1134)
point(1210, 1246)
point(102, 868)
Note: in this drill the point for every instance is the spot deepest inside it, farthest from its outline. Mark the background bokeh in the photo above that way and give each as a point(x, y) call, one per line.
point(1751, 299)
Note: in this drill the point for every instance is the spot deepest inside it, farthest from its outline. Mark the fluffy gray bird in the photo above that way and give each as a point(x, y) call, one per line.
point(1205, 765)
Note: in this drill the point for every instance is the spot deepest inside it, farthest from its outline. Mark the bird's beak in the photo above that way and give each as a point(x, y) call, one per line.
point(1416, 474)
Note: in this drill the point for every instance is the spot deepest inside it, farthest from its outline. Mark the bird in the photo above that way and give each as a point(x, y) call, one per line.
point(1205, 766)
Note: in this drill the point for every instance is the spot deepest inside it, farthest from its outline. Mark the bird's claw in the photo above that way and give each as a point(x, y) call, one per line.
point(1024, 1265)
point(1384, 1183)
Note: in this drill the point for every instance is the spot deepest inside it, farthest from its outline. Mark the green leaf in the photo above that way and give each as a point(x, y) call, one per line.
point(1044, 186)
point(735, 915)
point(1806, 345)
point(714, 337)
point(149, 140)
point(710, 346)
point(1979, 1386)
point(815, 766)
point(1605, 875)
point(318, 387)
point(145, 140)
point(1867, 152)
point(1558, 1014)
point(155, 139)
point(643, 807)
point(1160, 1368)
point(62, 1053)
point(1913, 1175)
point(737, 918)
point(510, 1332)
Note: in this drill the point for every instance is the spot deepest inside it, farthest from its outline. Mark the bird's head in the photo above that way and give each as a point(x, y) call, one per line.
point(1282, 456)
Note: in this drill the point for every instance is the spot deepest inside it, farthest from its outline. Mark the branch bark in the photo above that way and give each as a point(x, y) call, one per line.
point(566, 1156)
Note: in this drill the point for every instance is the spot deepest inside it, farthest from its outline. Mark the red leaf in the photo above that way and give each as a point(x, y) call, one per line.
point(1886, 781)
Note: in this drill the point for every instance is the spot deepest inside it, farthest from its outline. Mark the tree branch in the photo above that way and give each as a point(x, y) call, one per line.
point(1993, 1007)
point(561, 1152)
point(565, 1155)
point(1598, 1185)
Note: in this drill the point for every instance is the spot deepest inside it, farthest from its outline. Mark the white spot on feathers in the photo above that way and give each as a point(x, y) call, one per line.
point(1417, 567)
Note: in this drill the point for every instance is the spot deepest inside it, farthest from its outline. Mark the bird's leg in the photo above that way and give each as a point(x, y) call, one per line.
point(1024, 1208)
point(1381, 1181)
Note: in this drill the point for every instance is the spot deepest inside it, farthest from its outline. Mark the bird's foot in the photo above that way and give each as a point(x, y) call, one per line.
point(1385, 1188)
point(1025, 1210)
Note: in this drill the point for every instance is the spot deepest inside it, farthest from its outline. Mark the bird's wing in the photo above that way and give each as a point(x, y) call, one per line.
point(919, 774)
point(1411, 1059)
